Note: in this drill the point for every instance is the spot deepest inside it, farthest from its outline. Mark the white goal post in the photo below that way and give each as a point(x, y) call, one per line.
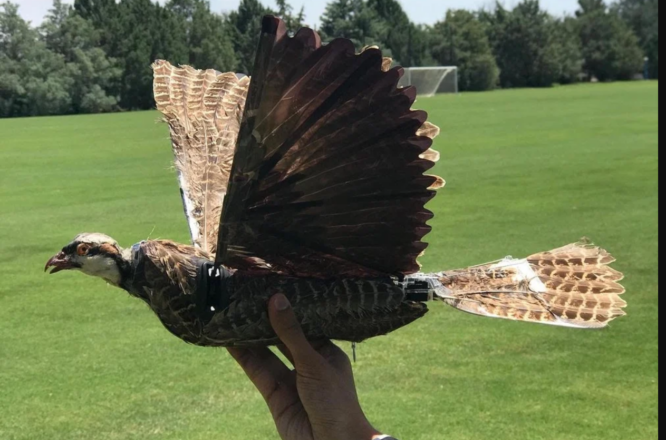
point(430, 81)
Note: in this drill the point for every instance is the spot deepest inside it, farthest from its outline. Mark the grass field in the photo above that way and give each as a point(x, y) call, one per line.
point(527, 171)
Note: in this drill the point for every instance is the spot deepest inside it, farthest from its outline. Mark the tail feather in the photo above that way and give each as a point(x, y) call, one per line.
point(579, 273)
point(566, 286)
point(573, 255)
point(572, 286)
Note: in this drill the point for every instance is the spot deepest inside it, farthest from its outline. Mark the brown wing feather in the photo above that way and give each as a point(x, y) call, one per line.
point(203, 109)
point(431, 131)
point(327, 178)
point(387, 62)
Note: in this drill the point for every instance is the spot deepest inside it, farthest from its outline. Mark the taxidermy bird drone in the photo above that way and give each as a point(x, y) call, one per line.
point(308, 180)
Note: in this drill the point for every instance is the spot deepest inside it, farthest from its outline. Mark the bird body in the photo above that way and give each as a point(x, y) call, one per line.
point(307, 179)
point(195, 302)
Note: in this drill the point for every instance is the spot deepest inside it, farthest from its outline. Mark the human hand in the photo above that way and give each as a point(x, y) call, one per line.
point(317, 400)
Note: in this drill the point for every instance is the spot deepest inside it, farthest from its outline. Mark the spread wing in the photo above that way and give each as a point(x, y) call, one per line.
point(327, 177)
point(203, 109)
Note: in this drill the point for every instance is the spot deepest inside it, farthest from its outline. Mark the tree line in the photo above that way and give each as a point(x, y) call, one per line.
point(95, 55)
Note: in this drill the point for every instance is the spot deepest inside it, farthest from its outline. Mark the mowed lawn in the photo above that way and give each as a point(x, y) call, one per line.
point(527, 170)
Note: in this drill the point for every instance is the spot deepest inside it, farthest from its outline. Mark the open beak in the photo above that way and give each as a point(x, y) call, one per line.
point(59, 262)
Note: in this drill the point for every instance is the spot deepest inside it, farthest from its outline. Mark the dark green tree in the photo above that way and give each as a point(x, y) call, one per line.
point(106, 17)
point(405, 41)
point(33, 79)
point(137, 32)
point(528, 45)
point(245, 27)
point(293, 21)
point(610, 48)
point(567, 50)
point(205, 35)
point(93, 75)
point(460, 40)
point(171, 40)
point(419, 53)
point(353, 19)
point(140, 20)
point(643, 18)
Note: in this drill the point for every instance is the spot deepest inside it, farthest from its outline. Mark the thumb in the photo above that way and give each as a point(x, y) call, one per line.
point(289, 331)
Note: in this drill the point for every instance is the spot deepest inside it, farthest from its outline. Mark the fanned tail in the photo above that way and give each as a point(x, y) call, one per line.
point(572, 286)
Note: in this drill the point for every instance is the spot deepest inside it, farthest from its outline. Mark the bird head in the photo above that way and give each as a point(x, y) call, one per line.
point(91, 253)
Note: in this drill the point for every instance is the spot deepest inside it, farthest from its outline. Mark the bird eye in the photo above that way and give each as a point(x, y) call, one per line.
point(82, 249)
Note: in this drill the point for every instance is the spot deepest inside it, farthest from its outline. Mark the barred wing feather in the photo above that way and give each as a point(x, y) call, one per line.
point(203, 109)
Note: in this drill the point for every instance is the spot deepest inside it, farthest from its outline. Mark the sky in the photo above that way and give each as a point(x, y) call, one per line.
point(420, 11)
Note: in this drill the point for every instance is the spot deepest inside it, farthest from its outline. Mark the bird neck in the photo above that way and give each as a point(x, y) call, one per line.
point(124, 261)
point(126, 255)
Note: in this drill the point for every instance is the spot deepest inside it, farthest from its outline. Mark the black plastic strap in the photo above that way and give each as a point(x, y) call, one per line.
point(419, 296)
point(417, 290)
point(212, 293)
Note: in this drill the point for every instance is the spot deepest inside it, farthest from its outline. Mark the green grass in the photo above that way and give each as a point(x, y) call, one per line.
point(527, 170)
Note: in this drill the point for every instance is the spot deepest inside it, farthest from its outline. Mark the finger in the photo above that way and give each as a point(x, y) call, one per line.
point(334, 355)
point(329, 350)
point(317, 345)
point(322, 345)
point(266, 371)
point(289, 331)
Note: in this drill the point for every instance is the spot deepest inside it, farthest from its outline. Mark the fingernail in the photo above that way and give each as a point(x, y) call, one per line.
point(281, 302)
